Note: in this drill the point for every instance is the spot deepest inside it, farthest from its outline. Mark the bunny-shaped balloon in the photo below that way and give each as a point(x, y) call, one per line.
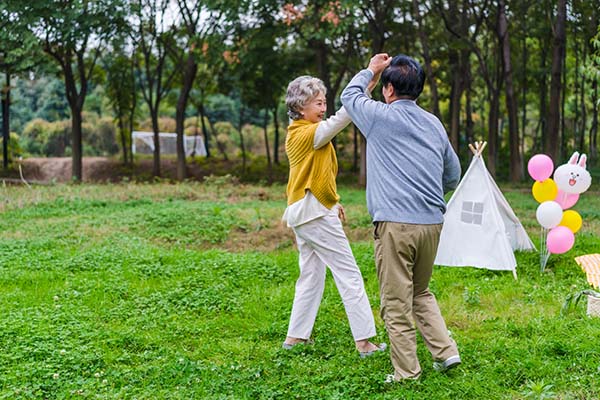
point(573, 177)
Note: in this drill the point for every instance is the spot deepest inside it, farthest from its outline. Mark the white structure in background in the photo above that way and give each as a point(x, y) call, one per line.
point(480, 228)
point(143, 143)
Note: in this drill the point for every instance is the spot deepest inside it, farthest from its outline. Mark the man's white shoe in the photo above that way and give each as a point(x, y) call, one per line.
point(449, 363)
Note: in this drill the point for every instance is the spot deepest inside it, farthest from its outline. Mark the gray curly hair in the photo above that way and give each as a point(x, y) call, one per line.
point(300, 91)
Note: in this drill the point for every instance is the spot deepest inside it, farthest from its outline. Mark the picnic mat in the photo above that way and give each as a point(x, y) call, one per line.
point(590, 264)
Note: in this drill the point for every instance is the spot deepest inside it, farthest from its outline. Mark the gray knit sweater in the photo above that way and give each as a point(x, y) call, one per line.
point(410, 162)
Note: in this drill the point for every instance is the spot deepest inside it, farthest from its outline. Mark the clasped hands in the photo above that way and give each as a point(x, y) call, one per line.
point(377, 64)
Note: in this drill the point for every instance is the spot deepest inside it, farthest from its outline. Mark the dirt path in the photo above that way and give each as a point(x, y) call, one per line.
point(105, 169)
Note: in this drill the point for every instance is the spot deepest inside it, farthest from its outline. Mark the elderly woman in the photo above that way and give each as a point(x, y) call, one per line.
point(315, 215)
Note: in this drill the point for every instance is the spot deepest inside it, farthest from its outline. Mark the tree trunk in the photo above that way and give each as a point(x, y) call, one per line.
point(323, 72)
point(583, 108)
point(76, 144)
point(469, 109)
point(6, 120)
point(123, 139)
point(362, 175)
point(243, 148)
point(525, 58)
point(558, 53)
point(435, 103)
point(131, 120)
point(493, 134)
point(563, 137)
point(276, 139)
point(204, 130)
point(455, 96)
point(378, 29)
point(189, 75)
point(76, 100)
point(356, 134)
point(495, 89)
point(193, 154)
point(541, 139)
point(155, 129)
point(576, 134)
point(268, 150)
point(593, 153)
point(516, 170)
point(131, 123)
point(376, 15)
point(220, 146)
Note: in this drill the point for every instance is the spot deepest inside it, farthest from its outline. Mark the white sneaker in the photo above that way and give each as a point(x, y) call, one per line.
point(449, 363)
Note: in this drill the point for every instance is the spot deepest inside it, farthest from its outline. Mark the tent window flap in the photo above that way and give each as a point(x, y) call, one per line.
point(472, 213)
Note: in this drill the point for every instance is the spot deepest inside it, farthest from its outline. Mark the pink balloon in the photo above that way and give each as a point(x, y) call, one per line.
point(566, 200)
point(540, 167)
point(560, 240)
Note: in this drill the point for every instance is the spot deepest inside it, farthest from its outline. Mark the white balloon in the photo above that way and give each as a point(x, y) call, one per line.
point(549, 214)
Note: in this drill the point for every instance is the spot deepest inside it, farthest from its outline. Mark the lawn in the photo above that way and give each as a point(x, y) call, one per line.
point(183, 291)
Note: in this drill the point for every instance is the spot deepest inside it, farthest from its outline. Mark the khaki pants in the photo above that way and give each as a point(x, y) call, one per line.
point(404, 255)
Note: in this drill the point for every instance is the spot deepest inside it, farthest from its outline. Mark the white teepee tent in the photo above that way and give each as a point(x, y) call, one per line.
point(480, 228)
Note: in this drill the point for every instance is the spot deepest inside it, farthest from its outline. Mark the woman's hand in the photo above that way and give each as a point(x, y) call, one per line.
point(341, 213)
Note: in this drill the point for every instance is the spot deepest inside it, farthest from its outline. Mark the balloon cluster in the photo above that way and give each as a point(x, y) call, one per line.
point(556, 196)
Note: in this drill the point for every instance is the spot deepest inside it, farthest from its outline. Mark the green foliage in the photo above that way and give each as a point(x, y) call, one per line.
point(99, 136)
point(95, 101)
point(46, 138)
point(53, 139)
point(226, 136)
point(42, 98)
point(51, 104)
point(14, 148)
point(592, 69)
point(165, 124)
point(471, 297)
point(19, 47)
point(257, 171)
point(574, 299)
point(539, 391)
point(129, 291)
point(221, 108)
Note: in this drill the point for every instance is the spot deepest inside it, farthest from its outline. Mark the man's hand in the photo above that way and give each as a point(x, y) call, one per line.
point(341, 213)
point(379, 62)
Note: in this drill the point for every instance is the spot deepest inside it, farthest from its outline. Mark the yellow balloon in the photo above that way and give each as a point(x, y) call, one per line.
point(544, 191)
point(572, 220)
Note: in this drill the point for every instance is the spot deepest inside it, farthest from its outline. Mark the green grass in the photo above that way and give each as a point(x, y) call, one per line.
point(151, 291)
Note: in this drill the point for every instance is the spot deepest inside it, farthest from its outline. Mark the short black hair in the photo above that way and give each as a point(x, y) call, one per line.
point(406, 76)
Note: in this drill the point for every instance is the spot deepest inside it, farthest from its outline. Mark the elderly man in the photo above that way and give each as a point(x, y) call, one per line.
point(411, 164)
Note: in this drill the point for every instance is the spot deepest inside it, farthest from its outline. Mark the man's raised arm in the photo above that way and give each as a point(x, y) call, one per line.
point(360, 106)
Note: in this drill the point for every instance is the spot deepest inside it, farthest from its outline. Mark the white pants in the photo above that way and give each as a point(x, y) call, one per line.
point(323, 242)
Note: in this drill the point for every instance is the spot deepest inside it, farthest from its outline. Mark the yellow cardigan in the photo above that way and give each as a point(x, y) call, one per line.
point(310, 169)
